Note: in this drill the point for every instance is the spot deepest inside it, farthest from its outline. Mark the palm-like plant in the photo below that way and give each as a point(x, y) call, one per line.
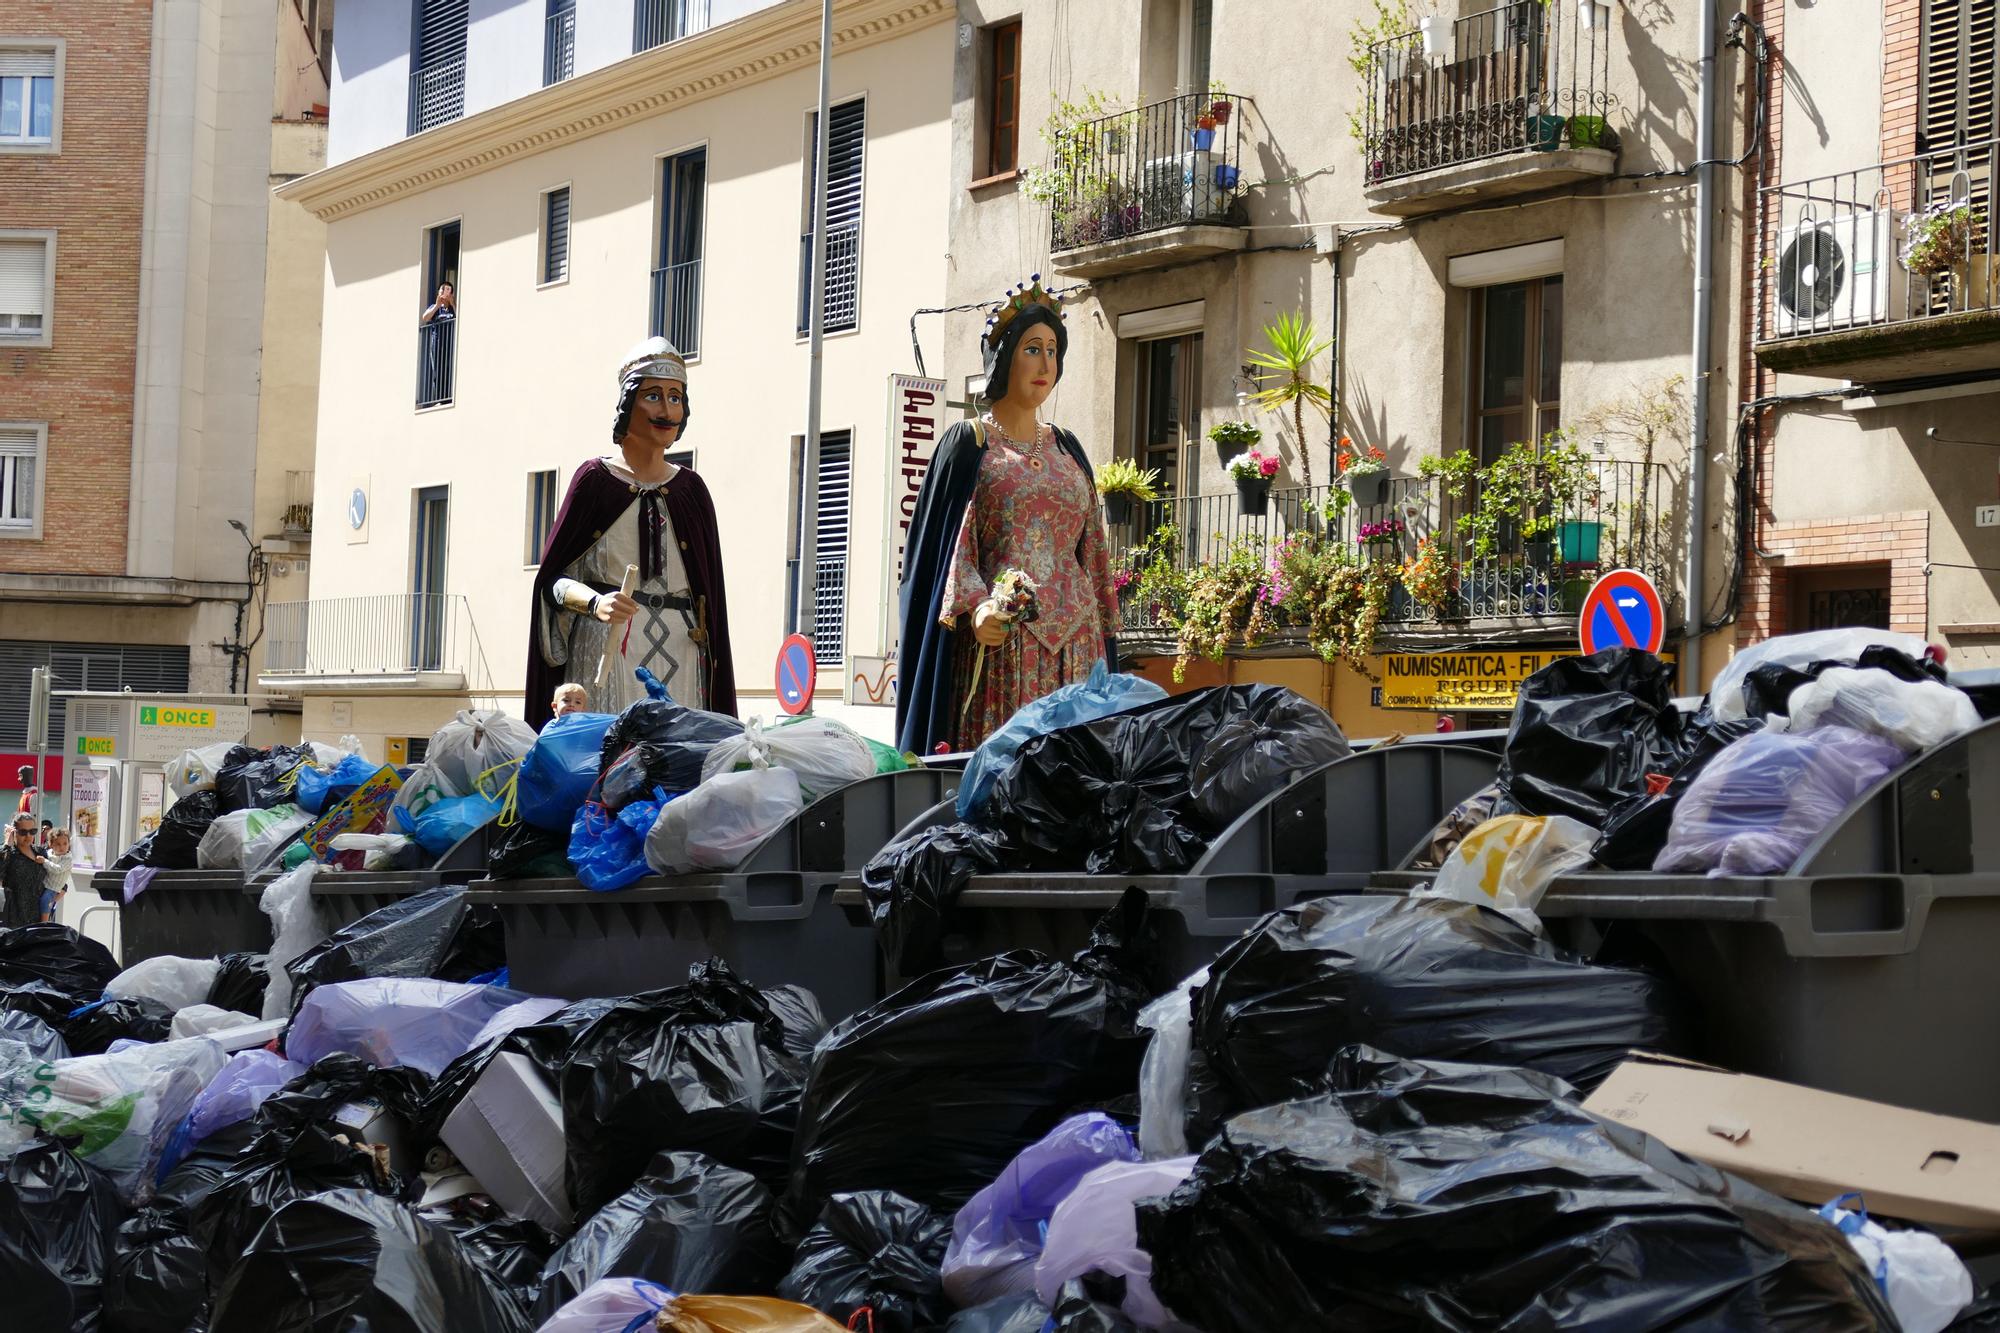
point(1293, 350)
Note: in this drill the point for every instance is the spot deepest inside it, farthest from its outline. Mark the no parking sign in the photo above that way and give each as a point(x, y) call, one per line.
point(798, 674)
point(1622, 610)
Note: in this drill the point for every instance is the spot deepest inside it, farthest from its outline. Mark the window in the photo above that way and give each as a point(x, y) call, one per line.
point(1840, 597)
point(427, 595)
point(23, 457)
point(559, 42)
point(657, 22)
point(677, 279)
point(30, 97)
point(1003, 132)
point(1198, 34)
point(1518, 364)
point(555, 236)
point(847, 131)
point(437, 328)
point(437, 84)
point(544, 494)
point(27, 285)
point(1958, 102)
point(830, 517)
point(139, 667)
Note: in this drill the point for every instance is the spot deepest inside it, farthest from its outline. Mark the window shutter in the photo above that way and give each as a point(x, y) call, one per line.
point(836, 467)
point(23, 277)
point(555, 264)
point(1958, 42)
point(17, 478)
point(27, 64)
point(441, 31)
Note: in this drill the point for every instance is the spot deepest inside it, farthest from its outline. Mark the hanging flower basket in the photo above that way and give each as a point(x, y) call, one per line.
point(1251, 496)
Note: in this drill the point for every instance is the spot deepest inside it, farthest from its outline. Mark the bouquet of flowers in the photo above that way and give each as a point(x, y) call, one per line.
point(1353, 462)
point(1253, 466)
point(1013, 598)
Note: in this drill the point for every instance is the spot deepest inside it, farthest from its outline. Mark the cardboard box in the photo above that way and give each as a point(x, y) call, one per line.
point(508, 1132)
point(369, 1121)
point(1812, 1146)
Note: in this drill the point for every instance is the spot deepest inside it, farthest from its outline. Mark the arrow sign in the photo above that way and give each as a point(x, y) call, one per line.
point(1622, 610)
point(798, 674)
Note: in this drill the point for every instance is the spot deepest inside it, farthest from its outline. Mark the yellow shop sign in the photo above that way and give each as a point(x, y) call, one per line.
point(96, 745)
point(163, 716)
point(1451, 682)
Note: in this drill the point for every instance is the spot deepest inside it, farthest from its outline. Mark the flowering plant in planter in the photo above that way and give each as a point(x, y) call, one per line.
point(1234, 435)
point(1223, 605)
point(1388, 532)
point(1431, 578)
point(1253, 466)
point(1351, 461)
point(1937, 240)
point(1337, 599)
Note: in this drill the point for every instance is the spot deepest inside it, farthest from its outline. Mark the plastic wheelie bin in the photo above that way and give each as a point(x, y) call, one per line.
point(1325, 833)
point(343, 897)
point(772, 918)
point(188, 913)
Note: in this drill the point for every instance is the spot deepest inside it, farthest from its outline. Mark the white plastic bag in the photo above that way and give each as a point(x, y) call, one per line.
point(1164, 1071)
point(195, 770)
point(424, 788)
point(329, 756)
point(379, 851)
point(391, 1021)
point(825, 754)
point(1926, 1282)
point(205, 1020)
point(295, 928)
point(610, 1305)
point(1096, 1229)
point(174, 982)
point(717, 824)
point(1725, 696)
point(472, 742)
point(245, 839)
point(1916, 714)
point(1508, 863)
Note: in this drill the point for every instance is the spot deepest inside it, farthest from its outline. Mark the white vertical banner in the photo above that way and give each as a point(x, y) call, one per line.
point(88, 815)
point(916, 420)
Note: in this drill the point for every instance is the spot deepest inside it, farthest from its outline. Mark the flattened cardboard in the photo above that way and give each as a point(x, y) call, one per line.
point(1812, 1146)
point(508, 1132)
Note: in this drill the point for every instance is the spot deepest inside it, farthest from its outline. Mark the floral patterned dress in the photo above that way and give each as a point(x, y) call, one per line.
point(1045, 523)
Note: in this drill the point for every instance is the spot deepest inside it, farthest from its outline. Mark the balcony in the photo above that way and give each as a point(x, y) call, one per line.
point(843, 279)
point(657, 22)
point(1624, 516)
point(559, 45)
point(437, 94)
point(1148, 187)
point(677, 306)
point(437, 347)
point(1503, 102)
point(409, 642)
point(1883, 273)
point(298, 517)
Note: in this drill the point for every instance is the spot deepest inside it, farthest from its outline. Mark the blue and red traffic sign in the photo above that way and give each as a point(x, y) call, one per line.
point(798, 674)
point(1622, 610)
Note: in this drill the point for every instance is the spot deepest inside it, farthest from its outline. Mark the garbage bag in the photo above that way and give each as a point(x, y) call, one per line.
point(873, 1249)
point(511, 1250)
point(996, 1238)
point(57, 1217)
point(1508, 863)
point(442, 824)
point(247, 838)
point(242, 1085)
point(1163, 1074)
point(425, 787)
point(545, 1042)
point(1091, 1304)
point(611, 1305)
point(1637, 829)
point(437, 933)
point(196, 770)
point(176, 844)
point(608, 851)
point(1461, 1197)
point(1926, 1283)
point(1726, 694)
point(157, 1281)
point(318, 790)
point(411, 1022)
point(657, 745)
point(1423, 978)
point(295, 928)
point(57, 956)
point(1768, 689)
point(1760, 804)
point(240, 981)
point(1008, 1314)
point(38, 999)
point(174, 982)
point(932, 1091)
point(41, 1040)
point(528, 851)
point(1095, 1230)
point(741, 1314)
point(559, 770)
point(720, 822)
point(825, 754)
point(1104, 693)
point(1916, 715)
point(205, 1020)
point(912, 885)
point(263, 779)
point(700, 1067)
point(91, 1029)
point(1489, 802)
point(353, 1260)
point(474, 742)
point(689, 1223)
point(1587, 730)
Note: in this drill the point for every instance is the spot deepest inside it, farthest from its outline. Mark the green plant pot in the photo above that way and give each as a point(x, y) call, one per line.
point(1588, 132)
point(1251, 497)
point(1573, 593)
point(1117, 507)
point(1370, 488)
point(1578, 542)
point(1538, 552)
point(1545, 133)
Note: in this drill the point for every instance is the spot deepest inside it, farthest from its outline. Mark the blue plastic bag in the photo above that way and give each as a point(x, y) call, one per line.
point(607, 851)
point(1102, 695)
point(317, 789)
point(556, 774)
point(230, 1098)
point(442, 823)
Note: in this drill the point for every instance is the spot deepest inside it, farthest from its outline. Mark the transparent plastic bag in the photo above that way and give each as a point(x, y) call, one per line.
point(205, 1020)
point(391, 1021)
point(741, 1314)
point(424, 788)
point(474, 741)
point(1926, 1282)
point(1725, 696)
point(718, 823)
point(1095, 1230)
point(610, 1305)
point(195, 770)
point(245, 839)
point(1508, 863)
point(1761, 802)
point(1916, 715)
point(1163, 1074)
point(825, 754)
point(1104, 693)
point(231, 1097)
point(174, 982)
point(295, 928)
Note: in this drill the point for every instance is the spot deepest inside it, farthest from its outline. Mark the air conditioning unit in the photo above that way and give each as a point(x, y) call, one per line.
point(1837, 274)
point(1183, 186)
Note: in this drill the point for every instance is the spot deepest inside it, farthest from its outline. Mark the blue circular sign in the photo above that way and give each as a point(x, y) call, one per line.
point(357, 509)
point(1622, 610)
point(798, 674)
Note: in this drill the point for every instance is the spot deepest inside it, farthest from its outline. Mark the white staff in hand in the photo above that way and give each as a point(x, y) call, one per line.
point(623, 602)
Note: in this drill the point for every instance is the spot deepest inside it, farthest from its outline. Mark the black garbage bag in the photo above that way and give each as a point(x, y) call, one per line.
point(1091, 1304)
point(239, 984)
point(437, 933)
point(1982, 1316)
point(524, 851)
point(1767, 690)
point(158, 1280)
point(657, 743)
point(512, 1250)
point(801, 1020)
point(1463, 1197)
point(40, 1038)
point(932, 1091)
point(1637, 830)
point(140, 853)
point(1587, 730)
point(1426, 978)
point(57, 1218)
point(873, 1248)
point(43, 1001)
point(91, 1029)
point(260, 779)
point(57, 956)
point(1008, 1314)
point(351, 1260)
point(172, 846)
point(912, 885)
point(700, 1067)
point(689, 1223)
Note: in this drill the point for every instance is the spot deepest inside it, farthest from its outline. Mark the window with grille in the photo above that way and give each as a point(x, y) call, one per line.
point(1840, 597)
point(677, 278)
point(437, 81)
point(141, 668)
point(27, 97)
point(657, 22)
point(555, 235)
point(830, 519)
point(22, 450)
point(559, 42)
point(24, 287)
point(1003, 126)
point(847, 127)
point(542, 501)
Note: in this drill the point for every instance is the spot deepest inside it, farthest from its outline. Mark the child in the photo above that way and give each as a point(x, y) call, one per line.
point(56, 873)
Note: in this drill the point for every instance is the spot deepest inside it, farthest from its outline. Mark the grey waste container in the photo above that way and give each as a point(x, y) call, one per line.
point(343, 897)
point(186, 913)
point(1325, 833)
point(772, 918)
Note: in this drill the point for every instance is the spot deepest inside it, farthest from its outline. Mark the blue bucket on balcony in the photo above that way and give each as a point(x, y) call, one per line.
point(1203, 139)
point(1545, 133)
point(1226, 176)
point(1577, 542)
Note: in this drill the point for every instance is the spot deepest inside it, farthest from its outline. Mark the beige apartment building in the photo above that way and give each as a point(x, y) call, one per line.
point(589, 174)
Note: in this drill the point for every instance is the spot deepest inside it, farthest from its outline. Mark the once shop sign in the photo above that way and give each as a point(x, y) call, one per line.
point(150, 716)
point(1469, 681)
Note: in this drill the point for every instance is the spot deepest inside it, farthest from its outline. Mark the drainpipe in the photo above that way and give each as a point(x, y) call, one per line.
point(1704, 312)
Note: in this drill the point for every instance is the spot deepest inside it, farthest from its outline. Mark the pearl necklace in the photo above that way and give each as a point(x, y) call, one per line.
point(1031, 452)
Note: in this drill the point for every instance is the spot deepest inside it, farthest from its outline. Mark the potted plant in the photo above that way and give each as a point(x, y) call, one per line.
point(1365, 470)
point(1939, 241)
point(1545, 132)
point(1436, 30)
point(1203, 133)
point(1224, 602)
point(1589, 132)
point(1252, 473)
point(1226, 176)
point(1120, 482)
point(1384, 533)
point(1570, 476)
point(1234, 437)
point(1293, 350)
point(1219, 110)
point(1431, 576)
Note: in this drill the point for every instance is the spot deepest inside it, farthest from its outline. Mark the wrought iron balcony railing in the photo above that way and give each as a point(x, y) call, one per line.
point(437, 349)
point(1524, 76)
point(1171, 164)
point(395, 635)
point(559, 46)
point(677, 306)
point(437, 94)
point(657, 22)
point(298, 516)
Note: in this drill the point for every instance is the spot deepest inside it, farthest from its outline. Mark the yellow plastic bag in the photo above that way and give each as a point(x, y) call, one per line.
point(1508, 863)
point(742, 1314)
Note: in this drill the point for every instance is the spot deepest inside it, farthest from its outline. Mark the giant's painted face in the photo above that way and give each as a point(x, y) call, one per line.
point(659, 409)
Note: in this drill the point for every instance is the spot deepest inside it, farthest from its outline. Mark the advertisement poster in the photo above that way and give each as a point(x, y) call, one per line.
point(916, 419)
point(152, 801)
point(88, 816)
